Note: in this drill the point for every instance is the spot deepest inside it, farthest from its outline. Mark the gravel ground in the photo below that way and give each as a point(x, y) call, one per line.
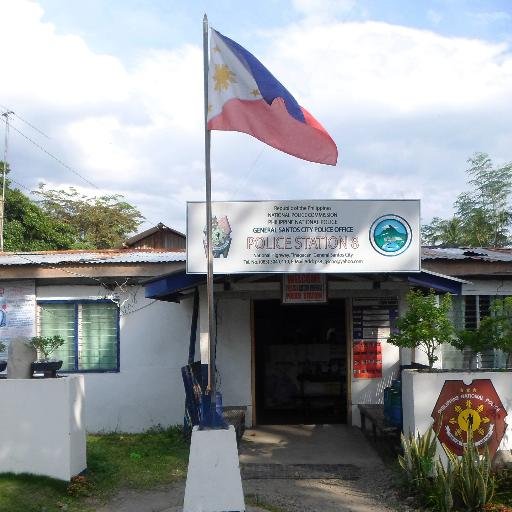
point(373, 491)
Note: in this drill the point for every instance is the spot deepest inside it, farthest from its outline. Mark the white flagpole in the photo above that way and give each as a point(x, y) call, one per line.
point(209, 277)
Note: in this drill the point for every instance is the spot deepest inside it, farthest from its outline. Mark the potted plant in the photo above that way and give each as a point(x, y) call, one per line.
point(3, 363)
point(425, 325)
point(45, 346)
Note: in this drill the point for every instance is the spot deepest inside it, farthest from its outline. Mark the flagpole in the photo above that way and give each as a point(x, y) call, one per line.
point(209, 276)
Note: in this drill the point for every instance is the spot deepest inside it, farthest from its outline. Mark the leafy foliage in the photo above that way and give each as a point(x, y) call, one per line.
point(474, 483)
point(440, 495)
point(418, 458)
point(463, 483)
point(2, 346)
point(98, 222)
point(46, 345)
point(476, 340)
point(66, 220)
point(28, 228)
point(425, 325)
point(482, 215)
point(500, 325)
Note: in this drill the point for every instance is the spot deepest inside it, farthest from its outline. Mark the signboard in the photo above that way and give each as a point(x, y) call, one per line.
point(372, 321)
point(304, 288)
point(337, 236)
point(17, 310)
point(474, 408)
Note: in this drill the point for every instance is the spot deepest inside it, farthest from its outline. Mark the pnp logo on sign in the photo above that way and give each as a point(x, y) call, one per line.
point(474, 408)
point(221, 237)
point(390, 235)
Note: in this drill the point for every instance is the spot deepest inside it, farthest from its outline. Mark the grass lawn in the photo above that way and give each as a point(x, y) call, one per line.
point(137, 461)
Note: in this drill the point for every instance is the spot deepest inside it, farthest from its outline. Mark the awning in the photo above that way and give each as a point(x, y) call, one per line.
point(169, 287)
point(172, 287)
point(437, 282)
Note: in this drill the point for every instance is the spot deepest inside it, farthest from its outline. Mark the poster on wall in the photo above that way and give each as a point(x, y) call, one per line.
point(304, 289)
point(372, 321)
point(331, 236)
point(472, 408)
point(17, 310)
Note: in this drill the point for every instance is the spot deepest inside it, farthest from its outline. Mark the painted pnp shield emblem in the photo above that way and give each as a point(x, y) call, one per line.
point(474, 408)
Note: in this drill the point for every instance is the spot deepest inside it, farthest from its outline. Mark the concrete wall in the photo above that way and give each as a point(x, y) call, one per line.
point(154, 340)
point(420, 391)
point(234, 352)
point(42, 430)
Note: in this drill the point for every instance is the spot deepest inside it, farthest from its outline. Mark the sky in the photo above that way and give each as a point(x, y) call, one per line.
point(108, 98)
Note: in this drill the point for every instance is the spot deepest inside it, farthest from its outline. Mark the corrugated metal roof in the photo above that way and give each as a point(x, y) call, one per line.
point(465, 253)
point(159, 227)
point(120, 256)
point(115, 256)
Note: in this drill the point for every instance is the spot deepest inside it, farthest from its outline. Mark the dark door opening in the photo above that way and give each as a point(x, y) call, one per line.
point(301, 364)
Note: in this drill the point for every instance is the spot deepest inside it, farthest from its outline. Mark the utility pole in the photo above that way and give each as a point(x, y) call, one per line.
point(6, 114)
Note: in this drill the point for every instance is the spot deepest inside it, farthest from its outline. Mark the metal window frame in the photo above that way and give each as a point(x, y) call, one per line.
point(76, 303)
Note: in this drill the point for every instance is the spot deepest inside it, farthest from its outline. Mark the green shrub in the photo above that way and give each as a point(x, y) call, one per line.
point(441, 492)
point(425, 325)
point(464, 483)
point(474, 483)
point(418, 459)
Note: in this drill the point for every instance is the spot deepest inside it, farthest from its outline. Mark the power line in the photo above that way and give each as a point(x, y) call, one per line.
point(101, 283)
point(58, 160)
point(35, 128)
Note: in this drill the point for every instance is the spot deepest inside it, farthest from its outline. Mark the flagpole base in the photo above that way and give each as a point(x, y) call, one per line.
point(214, 483)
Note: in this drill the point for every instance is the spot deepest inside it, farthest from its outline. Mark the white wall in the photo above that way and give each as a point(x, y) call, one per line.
point(148, 390)
point(420, 391)
point(42, 428)
point(234, 352)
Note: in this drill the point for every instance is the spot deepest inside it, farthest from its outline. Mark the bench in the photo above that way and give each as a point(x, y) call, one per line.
point(374, 413)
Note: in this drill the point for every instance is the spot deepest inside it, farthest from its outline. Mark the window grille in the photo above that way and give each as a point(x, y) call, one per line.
point(90, 330)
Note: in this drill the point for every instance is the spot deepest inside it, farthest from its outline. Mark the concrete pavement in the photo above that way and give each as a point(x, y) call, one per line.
point(363, 484)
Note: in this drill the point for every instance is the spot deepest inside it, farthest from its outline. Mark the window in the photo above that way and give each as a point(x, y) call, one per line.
point(467, 312)
point(90, 330)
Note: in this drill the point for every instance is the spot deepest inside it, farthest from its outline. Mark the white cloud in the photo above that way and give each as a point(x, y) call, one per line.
point(406, 106)
point(323, 9)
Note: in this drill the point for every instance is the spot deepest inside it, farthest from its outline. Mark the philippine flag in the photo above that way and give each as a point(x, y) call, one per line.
point(244, 96)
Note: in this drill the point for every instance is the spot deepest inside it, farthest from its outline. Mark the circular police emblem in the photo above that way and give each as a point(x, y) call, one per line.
point(390, 235)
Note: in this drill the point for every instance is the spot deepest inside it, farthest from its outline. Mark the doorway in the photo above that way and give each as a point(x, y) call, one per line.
point(301, 363)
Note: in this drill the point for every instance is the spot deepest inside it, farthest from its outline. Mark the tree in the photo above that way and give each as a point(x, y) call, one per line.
point(482, 215)
point(476, 340)
point(501, 325)
point(28, 228)
point(447, 233)
point(425, 325)
point(99, 222)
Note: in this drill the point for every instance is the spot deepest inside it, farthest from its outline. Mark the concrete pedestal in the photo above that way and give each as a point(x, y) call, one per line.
point(42, 426)
point(213, 479)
